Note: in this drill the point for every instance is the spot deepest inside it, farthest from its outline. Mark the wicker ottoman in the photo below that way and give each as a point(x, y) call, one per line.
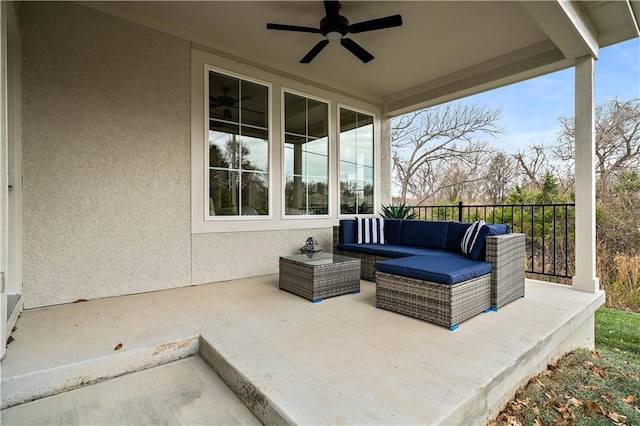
point(319, 275)
point(442, 304)
point(448, 303)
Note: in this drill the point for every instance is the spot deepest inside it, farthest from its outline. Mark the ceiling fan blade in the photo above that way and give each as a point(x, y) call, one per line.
point(314, 51)
point(376, 24)
point(332, 8)
point(295, 28)
point(357, 50)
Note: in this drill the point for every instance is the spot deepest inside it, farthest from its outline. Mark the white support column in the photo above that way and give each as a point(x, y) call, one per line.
point(4, 185)
point(585, 275)
point(383, 168)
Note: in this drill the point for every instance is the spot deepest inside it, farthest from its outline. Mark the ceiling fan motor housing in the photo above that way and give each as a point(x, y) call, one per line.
point(331, 24)
point(334, 27)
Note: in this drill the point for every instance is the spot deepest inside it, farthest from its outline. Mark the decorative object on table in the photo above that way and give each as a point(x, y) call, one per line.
point(310, 247)
point(401, 211)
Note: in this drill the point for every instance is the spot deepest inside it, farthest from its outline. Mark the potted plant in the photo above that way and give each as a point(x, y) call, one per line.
point(401, 211)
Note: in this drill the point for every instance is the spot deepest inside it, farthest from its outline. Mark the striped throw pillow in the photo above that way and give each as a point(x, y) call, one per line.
point(470, 237)
point(370, 230)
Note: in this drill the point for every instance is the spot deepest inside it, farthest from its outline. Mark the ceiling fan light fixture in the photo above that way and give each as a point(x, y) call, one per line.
point(334, 36)
point(335, 27)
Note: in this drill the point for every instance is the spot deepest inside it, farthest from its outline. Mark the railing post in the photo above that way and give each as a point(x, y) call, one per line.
point(459, 211)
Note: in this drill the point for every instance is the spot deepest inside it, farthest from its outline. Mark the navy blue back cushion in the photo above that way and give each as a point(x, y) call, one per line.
point(348, 231)
point(424, 233)
point(478, 250)
point(392, 231)
point(454, 235)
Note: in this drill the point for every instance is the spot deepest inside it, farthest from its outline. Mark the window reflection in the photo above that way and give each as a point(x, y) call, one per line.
point(356, 162)
point(238, 147)
point(306, 156)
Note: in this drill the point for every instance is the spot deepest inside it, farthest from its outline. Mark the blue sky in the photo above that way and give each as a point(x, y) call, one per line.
point(530, 110)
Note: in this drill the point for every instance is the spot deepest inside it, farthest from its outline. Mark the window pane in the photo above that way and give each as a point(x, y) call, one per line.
point(318, 119)
point(366, 207)
point(317, 146)
point(255, 194)
point(295, 196)
point(295, 114)
point(364, 120)
point(293, 154)
point(348, 120)
point(348, 198)
point(253, 104)
point(223, 146)
point(224, 95)
point(318, 196)
point(306, 156)
point(223, 192)
point(238, 141)
point(364, 139)
point(348, 146)
point(255, 149)
point(356, 163)
point(316, 165)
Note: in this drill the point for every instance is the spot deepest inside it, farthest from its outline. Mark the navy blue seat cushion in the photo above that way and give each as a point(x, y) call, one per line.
point(423, 233)
point(397, 250)
point(436, 268)
point(392, 231)
point(359, 248)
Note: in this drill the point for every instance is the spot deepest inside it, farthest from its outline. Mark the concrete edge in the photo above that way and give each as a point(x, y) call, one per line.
point(32, 386)
point(255, 399)
point(479, 408)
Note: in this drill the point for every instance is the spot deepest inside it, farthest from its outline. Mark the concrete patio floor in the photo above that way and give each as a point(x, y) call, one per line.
point(341, 361)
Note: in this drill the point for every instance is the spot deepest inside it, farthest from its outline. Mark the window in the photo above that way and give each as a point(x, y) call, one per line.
point(238, 161)
point(356, 162)
point(306, 156)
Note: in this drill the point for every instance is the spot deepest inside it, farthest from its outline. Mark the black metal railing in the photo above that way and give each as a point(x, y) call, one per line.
point(549, 230)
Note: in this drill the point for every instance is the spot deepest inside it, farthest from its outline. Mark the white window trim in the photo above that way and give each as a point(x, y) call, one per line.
point(330, 184)
point(376, 158)
point(198, 145)
point(205, 145)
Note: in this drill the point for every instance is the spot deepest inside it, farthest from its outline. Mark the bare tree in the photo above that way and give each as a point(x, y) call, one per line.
point(617, 139)
point(437, 134)
point(534, 163)
point(499, 177)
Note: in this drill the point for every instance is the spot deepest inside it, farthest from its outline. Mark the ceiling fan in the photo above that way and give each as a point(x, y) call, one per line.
point(334, 27)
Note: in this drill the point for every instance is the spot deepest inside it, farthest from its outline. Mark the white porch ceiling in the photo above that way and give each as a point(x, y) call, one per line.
point(443, 50)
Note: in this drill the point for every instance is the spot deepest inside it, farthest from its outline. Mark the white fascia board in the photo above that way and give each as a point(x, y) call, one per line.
point(533, 61)
point(634, 8)
point(566, 24)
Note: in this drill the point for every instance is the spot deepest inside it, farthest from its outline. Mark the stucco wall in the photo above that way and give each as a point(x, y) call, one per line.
point(106, 156)
point(107, 162)
point(225, 256)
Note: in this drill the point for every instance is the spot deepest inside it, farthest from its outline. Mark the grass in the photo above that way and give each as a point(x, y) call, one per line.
point(600, 387)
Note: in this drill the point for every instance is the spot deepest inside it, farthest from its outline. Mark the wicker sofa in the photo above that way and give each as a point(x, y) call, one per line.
point(421, 271)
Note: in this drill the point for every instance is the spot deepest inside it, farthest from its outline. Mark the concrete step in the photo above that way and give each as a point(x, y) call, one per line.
point(186, 391)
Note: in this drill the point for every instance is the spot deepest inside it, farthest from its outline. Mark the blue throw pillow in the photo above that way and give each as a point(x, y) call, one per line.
point(370, 230)
point(473, 239)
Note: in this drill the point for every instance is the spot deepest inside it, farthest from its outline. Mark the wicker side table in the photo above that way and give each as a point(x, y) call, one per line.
point(319, 275)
